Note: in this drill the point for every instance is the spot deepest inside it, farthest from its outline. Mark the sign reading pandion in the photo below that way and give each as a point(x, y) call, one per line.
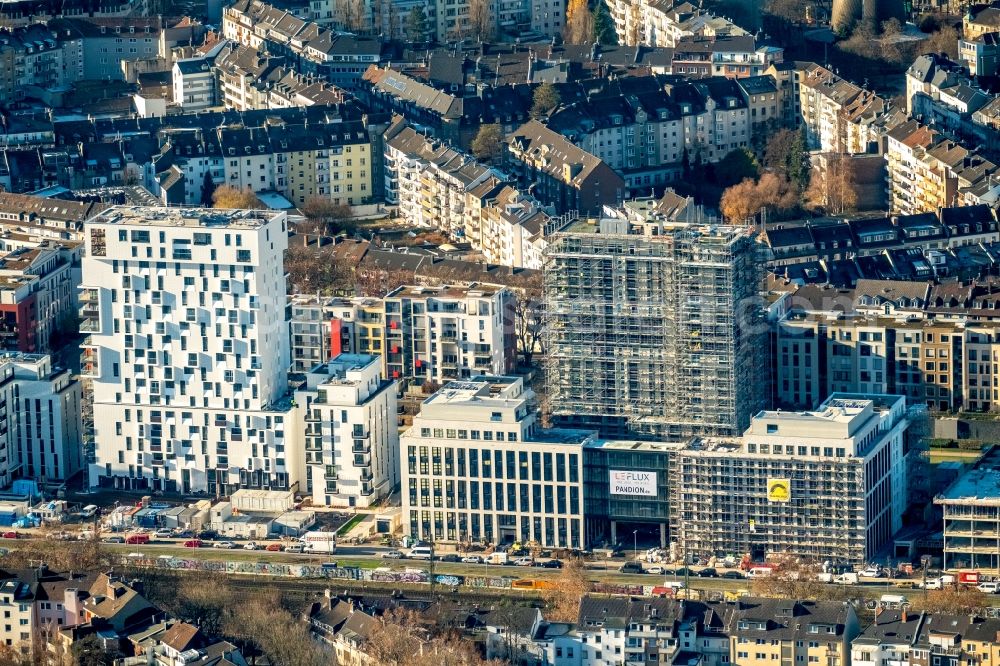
point(633, 483)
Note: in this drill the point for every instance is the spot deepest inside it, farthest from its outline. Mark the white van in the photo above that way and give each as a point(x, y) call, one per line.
point(419, 553)
point(989, 587)
point(893, 600)
point(760, 572)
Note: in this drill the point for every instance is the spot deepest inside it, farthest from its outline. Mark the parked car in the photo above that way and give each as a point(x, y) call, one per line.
point(733, 575)
point(229, 545)
point(552, 564)
point(450, 557)
point(524, 562)
point(193, 543)
point(10, 534)
point(137, 539)
point(708, 572)
point(631, 568)
point(251, 545)
point(294, 548)
point(683, 571)
point(392, 555)
point(472, 559)
point(989, 587)
point(183, 534)
point(274, 547)
point(208, 535)
point(163, 534)
point(655, 570)
point(870, 572)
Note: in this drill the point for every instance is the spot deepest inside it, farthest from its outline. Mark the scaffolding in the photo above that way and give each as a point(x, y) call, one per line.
point(659, 336)
point(719, 505)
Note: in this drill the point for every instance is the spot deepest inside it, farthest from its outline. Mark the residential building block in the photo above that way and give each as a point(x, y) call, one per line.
point(349, 430)
point(187, 352)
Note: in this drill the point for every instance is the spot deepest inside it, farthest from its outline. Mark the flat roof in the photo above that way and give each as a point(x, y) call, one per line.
point(979, 485)
point(161, 216)
point(633, 445)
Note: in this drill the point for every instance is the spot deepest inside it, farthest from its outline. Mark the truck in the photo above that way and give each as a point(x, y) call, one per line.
point(968, 577)
point(496, 557)
point(848, 578)
point(319, 542)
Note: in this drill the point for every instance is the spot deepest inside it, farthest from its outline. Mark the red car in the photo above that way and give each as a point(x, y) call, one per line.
point(10, 535)
point(274, 547)
point(137, 539)
point(192, 543)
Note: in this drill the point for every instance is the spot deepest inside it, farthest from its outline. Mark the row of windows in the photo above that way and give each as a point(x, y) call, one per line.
point(487, 463)
point(526, 498)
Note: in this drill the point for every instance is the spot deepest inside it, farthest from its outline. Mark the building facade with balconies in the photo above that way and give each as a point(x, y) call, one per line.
point(441, 333)
point(348, 424)
point(187, 353)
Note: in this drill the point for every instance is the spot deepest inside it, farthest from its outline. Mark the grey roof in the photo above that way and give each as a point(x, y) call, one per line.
point(785, 619)
point(617, 612)
point(892, 290)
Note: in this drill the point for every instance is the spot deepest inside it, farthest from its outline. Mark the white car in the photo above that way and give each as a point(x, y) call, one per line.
point(655, 570)
point(472, 559)
point(871, 572)
point(224, 544)
point(163, 534)
point(392, 555)
point(251, 545)
point(989, 587)
point(524, 562)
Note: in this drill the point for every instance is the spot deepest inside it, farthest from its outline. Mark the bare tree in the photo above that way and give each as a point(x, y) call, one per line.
point(480, 20)
point(528, 311)
point(326, 217)
point(832, 188)
point(572, 585)
point(958, 600)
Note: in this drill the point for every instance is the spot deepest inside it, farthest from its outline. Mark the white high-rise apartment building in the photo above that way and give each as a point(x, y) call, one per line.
point(188, 349)
point(348, 415)
point(39, 420)
point(47, 404)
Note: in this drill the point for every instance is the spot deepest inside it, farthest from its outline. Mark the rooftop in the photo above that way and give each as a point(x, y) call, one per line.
point(979, 485)
point(156, 216)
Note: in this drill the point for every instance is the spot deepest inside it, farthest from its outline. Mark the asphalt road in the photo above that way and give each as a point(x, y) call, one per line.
point(369, 557)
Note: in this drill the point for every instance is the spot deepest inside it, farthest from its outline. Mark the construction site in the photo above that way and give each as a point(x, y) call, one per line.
point(656, 336)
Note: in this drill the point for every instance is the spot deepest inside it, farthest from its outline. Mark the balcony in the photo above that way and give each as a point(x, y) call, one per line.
point(88, 363)
point(367, 475)
point(361, 446)
point(330, 473)
point(362, 460)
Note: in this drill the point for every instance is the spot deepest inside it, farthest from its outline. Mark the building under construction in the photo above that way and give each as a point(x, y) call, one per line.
point(828, 484)
point(656, 336)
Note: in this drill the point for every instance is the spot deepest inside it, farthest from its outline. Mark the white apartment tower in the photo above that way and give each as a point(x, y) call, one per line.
point(348, 415)
point(188, 349)
point(47, 403)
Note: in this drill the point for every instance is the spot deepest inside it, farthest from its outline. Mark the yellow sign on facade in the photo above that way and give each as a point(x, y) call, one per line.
point(779, 490)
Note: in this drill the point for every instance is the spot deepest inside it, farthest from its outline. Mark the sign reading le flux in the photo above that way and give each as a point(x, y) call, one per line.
point(633, 483)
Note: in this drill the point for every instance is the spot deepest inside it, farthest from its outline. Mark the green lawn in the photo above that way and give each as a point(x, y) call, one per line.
point(349, 525)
